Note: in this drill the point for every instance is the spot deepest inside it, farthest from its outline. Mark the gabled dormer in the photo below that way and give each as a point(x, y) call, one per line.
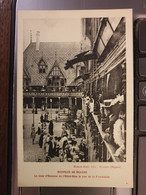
point(56, 77)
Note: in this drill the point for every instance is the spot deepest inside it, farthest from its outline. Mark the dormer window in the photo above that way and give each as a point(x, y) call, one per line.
point(42, 69)
point(42, 66)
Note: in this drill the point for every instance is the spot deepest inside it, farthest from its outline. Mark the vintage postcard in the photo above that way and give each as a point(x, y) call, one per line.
point(75, 98)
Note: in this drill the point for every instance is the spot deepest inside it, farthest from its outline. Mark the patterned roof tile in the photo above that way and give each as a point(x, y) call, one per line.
point(64, 51)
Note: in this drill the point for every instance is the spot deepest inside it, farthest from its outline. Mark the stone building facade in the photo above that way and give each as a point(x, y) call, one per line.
point(103, 71)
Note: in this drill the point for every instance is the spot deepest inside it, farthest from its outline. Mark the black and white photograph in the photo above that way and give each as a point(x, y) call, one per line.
point(74, 90)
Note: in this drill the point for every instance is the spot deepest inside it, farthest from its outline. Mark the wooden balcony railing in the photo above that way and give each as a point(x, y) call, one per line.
point(52, 94)
point(102, 151)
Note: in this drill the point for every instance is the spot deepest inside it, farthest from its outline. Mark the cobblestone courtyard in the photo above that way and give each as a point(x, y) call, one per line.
point(33, 152)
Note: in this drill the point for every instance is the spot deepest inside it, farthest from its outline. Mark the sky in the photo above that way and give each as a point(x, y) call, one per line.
point(52, 30)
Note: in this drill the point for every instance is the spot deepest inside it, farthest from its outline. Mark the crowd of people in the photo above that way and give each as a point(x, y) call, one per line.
point(64, 148)
point(111, 116)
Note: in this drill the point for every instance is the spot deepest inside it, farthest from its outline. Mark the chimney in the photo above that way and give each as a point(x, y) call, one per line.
point(37, 40)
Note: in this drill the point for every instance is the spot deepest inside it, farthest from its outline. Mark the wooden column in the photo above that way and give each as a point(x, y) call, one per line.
point(75, 101)
point(70, 102)
point(33, 108)
point(59, 103)
point(46, 103)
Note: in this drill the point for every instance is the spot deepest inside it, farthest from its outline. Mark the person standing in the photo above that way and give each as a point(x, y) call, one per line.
point(51, 148)
point(41, 140)
point(51, 127)
point(33, 133)
point(39, 128)
point(41, 118)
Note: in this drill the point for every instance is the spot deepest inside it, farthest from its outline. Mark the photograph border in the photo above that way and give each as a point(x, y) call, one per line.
point(108, 174)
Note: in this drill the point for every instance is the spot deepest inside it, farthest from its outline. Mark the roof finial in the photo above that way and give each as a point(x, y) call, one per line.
point(55, 55)
point(30, 36)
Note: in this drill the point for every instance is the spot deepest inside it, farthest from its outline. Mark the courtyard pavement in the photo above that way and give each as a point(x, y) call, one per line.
point(33, 152)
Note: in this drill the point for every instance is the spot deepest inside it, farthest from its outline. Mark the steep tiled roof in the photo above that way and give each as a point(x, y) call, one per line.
point(65, 51)
point(25, 73)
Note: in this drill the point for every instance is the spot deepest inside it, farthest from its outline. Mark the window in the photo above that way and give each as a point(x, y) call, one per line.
point(42, 66)
point(42, 69)
point(56, 71)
